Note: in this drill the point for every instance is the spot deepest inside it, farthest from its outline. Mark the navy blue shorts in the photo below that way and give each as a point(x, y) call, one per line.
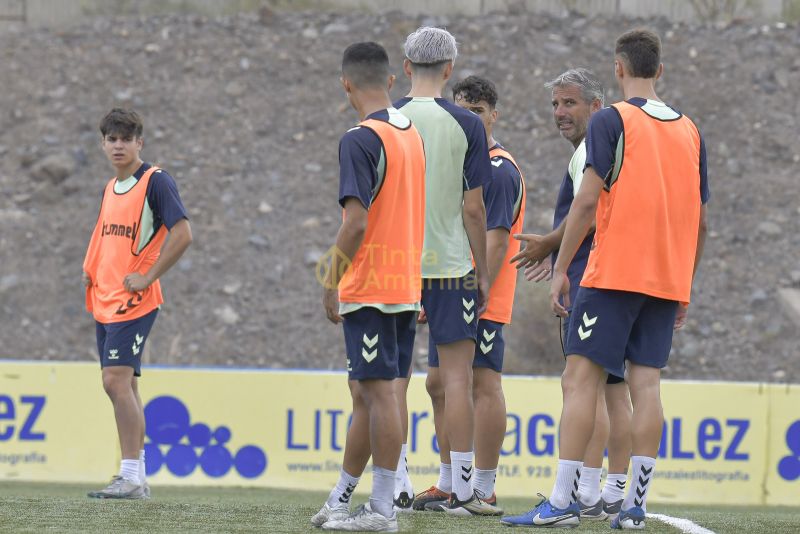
point(488, 352)
point(609, 327)
point(123, 343)
point(451, 307)
point(379, 345)
point(611, 378)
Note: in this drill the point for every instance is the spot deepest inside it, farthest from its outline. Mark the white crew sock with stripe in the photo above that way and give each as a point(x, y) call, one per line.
point(641, 480)
point(589, 485)
point(462, 474)
point(565, 490)
point(343, 490)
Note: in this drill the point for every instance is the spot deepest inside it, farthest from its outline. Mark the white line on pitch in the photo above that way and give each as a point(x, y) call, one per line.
point(684, 524)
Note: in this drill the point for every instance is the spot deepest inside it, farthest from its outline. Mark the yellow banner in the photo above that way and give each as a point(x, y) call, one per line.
point(722, 442)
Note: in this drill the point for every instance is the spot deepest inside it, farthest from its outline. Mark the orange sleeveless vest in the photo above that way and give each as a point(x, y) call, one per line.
point(501, 294)
point(647, 220)
point(387, 267)
point(116, 250)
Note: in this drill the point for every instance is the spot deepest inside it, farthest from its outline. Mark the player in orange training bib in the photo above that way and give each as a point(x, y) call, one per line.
point(127, 255)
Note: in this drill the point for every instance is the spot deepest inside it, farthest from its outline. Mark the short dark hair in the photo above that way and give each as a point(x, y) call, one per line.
point(475, 89)
point(641, 51)
point(124, 122)
point(365, 64)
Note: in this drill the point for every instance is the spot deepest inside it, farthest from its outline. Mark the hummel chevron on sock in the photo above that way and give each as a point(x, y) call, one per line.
point(462, 474)
point(565, 490)
point(641, 478)
point(343, 490)
point(614, 490)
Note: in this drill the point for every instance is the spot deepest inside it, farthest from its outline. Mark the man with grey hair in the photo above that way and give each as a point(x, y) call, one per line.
point(576, 95)
point(454, 293)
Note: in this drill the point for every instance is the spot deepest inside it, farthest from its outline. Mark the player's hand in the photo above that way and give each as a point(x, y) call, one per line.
point(330, 301)
point(541, 270)
point(680, 317)
point(136, 282)
point(422, 318)
point(86, 280)
point(536, 249)
point(483, 293)
point(559, 288)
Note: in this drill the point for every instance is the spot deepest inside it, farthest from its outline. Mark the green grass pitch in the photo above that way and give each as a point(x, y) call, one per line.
point(38, 508)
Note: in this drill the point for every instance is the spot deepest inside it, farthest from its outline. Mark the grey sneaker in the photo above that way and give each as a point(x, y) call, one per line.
point(612, 508)
point(327, 513)
point(146, 489)
point(119, 488)
point(364, 520)
point(594, 512)
point(472, 506)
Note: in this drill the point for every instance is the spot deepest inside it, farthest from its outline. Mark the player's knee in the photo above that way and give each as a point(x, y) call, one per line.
point(486, 391)
point(377, 392)
point(116, 386)
point(434, 387)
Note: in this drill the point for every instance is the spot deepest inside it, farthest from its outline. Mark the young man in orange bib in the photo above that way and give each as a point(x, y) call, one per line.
point(504, 198)
point(645, 183)
point(374, 282)
point(128, 253)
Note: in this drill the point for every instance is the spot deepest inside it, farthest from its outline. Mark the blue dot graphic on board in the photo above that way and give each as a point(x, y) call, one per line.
point(789, 466)
point(166, 420)
point(250, 461)
point(181, 460)
point(216, 461)
point(199, 435)
point(222, 435)
point(153, 458)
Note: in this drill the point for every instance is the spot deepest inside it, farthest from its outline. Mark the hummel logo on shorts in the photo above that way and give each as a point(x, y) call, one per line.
point(369, 351)
point(469, 312)
point(588, 323)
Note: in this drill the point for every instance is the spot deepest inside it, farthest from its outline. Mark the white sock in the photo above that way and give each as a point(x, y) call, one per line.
point(142, 470)
point(462, 474)
point(614, 490)
point(565, 491)
point(382, 489)
point(129, 470)
point(589, 485)
point(445, 482)
point(484, 482)
point(343, 490)
point(402, 482)
point(641, 478)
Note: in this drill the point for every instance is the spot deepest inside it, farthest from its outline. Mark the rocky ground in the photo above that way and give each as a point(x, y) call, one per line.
point(246, 113)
